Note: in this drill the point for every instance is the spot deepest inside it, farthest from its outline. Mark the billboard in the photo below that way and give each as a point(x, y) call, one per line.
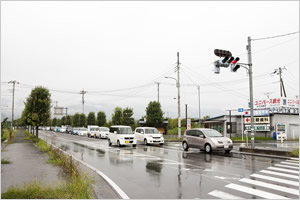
point(277, 102)
point(58, 110)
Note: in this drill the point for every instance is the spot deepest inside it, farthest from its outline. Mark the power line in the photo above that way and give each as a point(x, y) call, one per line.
point(265, 38)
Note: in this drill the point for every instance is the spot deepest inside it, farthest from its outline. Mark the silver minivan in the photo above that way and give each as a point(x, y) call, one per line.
point(206, 139)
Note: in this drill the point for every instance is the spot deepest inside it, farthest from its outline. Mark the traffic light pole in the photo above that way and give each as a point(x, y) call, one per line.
point(251, 90)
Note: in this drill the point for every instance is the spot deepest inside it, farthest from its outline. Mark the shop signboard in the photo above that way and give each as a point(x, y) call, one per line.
point(262, 127)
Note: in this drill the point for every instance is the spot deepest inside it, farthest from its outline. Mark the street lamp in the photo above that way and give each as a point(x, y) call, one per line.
point(178, 101)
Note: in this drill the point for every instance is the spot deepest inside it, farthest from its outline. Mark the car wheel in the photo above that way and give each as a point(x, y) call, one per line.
point(207, 148)
point(227, 151)
point(118, 143)
point(109, 143)
point(161, 144)
point(145, 142)
point(134, 145)
point(185, 146)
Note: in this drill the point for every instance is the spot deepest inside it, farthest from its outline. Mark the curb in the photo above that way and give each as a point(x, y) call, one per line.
point(117, 189)
point(266, 151)
point(4, 142)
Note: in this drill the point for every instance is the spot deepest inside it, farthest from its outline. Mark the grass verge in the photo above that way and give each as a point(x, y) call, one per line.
point(5, 161)
point(295, 153)
point(256, 138)
point(77, 187)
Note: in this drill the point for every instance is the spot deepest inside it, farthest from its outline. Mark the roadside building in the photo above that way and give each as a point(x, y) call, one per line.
point(273, 115)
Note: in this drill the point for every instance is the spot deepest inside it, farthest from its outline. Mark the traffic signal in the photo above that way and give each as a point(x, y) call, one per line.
point(217, 67)
point(234, 66)
point(222, 53)
point(227, 61)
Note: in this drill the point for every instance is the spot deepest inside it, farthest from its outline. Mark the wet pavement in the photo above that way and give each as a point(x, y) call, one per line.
point(168, 172)
point(27, 164)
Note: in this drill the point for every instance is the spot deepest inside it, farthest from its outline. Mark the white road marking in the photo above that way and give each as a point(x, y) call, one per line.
point(255, 192)
point(223, 195)
point(270, 186)
point(295, 159)
point(290, 163)
point(286, 166)
point(280, 174)
point(279, 180)
point(284, 170)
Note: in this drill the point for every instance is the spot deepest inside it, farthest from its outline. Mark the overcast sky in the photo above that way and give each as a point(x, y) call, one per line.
point(116, 51)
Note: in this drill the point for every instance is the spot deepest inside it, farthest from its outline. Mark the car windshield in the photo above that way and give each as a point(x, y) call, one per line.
point(211, 133)
point(125, 130)
point(83, 129)
point(105, 129)
point(151, 131)
point(94, 129)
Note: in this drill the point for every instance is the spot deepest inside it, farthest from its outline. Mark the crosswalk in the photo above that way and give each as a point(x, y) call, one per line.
point(280, 181)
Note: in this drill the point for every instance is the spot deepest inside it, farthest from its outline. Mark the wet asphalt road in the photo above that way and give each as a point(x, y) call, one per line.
point(151, 172)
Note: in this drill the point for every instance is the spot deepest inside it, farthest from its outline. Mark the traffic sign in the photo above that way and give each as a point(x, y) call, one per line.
point(240, 109)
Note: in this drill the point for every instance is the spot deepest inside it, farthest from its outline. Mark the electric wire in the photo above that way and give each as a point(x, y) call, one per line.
point(276, 36)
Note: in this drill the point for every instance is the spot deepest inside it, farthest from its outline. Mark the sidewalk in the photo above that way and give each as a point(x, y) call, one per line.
point(27, 164)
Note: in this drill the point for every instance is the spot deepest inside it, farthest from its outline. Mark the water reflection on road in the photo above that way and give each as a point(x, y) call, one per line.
point(160, 172)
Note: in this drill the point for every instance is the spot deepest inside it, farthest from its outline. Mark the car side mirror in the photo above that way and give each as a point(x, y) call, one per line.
point(202, 136)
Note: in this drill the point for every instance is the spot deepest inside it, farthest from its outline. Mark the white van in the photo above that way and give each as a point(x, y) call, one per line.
point(121, 135)
point(148, 135)
point(104, 132)
point(93, 131)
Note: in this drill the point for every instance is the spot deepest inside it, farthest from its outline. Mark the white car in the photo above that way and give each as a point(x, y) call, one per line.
point(121, 135)
point(148, 135)
point(82, 131)
point(93, 131)
point(103, 132)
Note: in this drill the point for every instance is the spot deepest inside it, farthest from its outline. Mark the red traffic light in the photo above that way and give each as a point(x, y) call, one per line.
point(236, 60)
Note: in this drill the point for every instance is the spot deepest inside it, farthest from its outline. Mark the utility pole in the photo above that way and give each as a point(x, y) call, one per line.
point(56, 102)
point(178, 86)
point(199, 105)
point(186, 116)
point(13, 102)
point(66, 111)
point(279, 72)
point(157, 91)
point(251, 89)
point(83, 93)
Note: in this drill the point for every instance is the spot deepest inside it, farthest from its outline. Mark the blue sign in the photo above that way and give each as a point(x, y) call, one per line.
point(240, 109)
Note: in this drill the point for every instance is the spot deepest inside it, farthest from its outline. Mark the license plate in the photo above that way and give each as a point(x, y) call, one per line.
point(226, 146)
point(127, 142)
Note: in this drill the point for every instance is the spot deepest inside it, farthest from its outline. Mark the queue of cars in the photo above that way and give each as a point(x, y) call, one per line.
point(207, 140)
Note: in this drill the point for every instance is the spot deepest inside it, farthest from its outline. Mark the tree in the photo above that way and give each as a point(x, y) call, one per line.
point(76, 120)
point(54, 122)
point(63, 120)
point(101, 118)
point(117, 116)
point(58, 122)
point(154, 114)
point(91, 119)
point(82, 120)
point(127, 118)
point(69, 120)
point(38, 105)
